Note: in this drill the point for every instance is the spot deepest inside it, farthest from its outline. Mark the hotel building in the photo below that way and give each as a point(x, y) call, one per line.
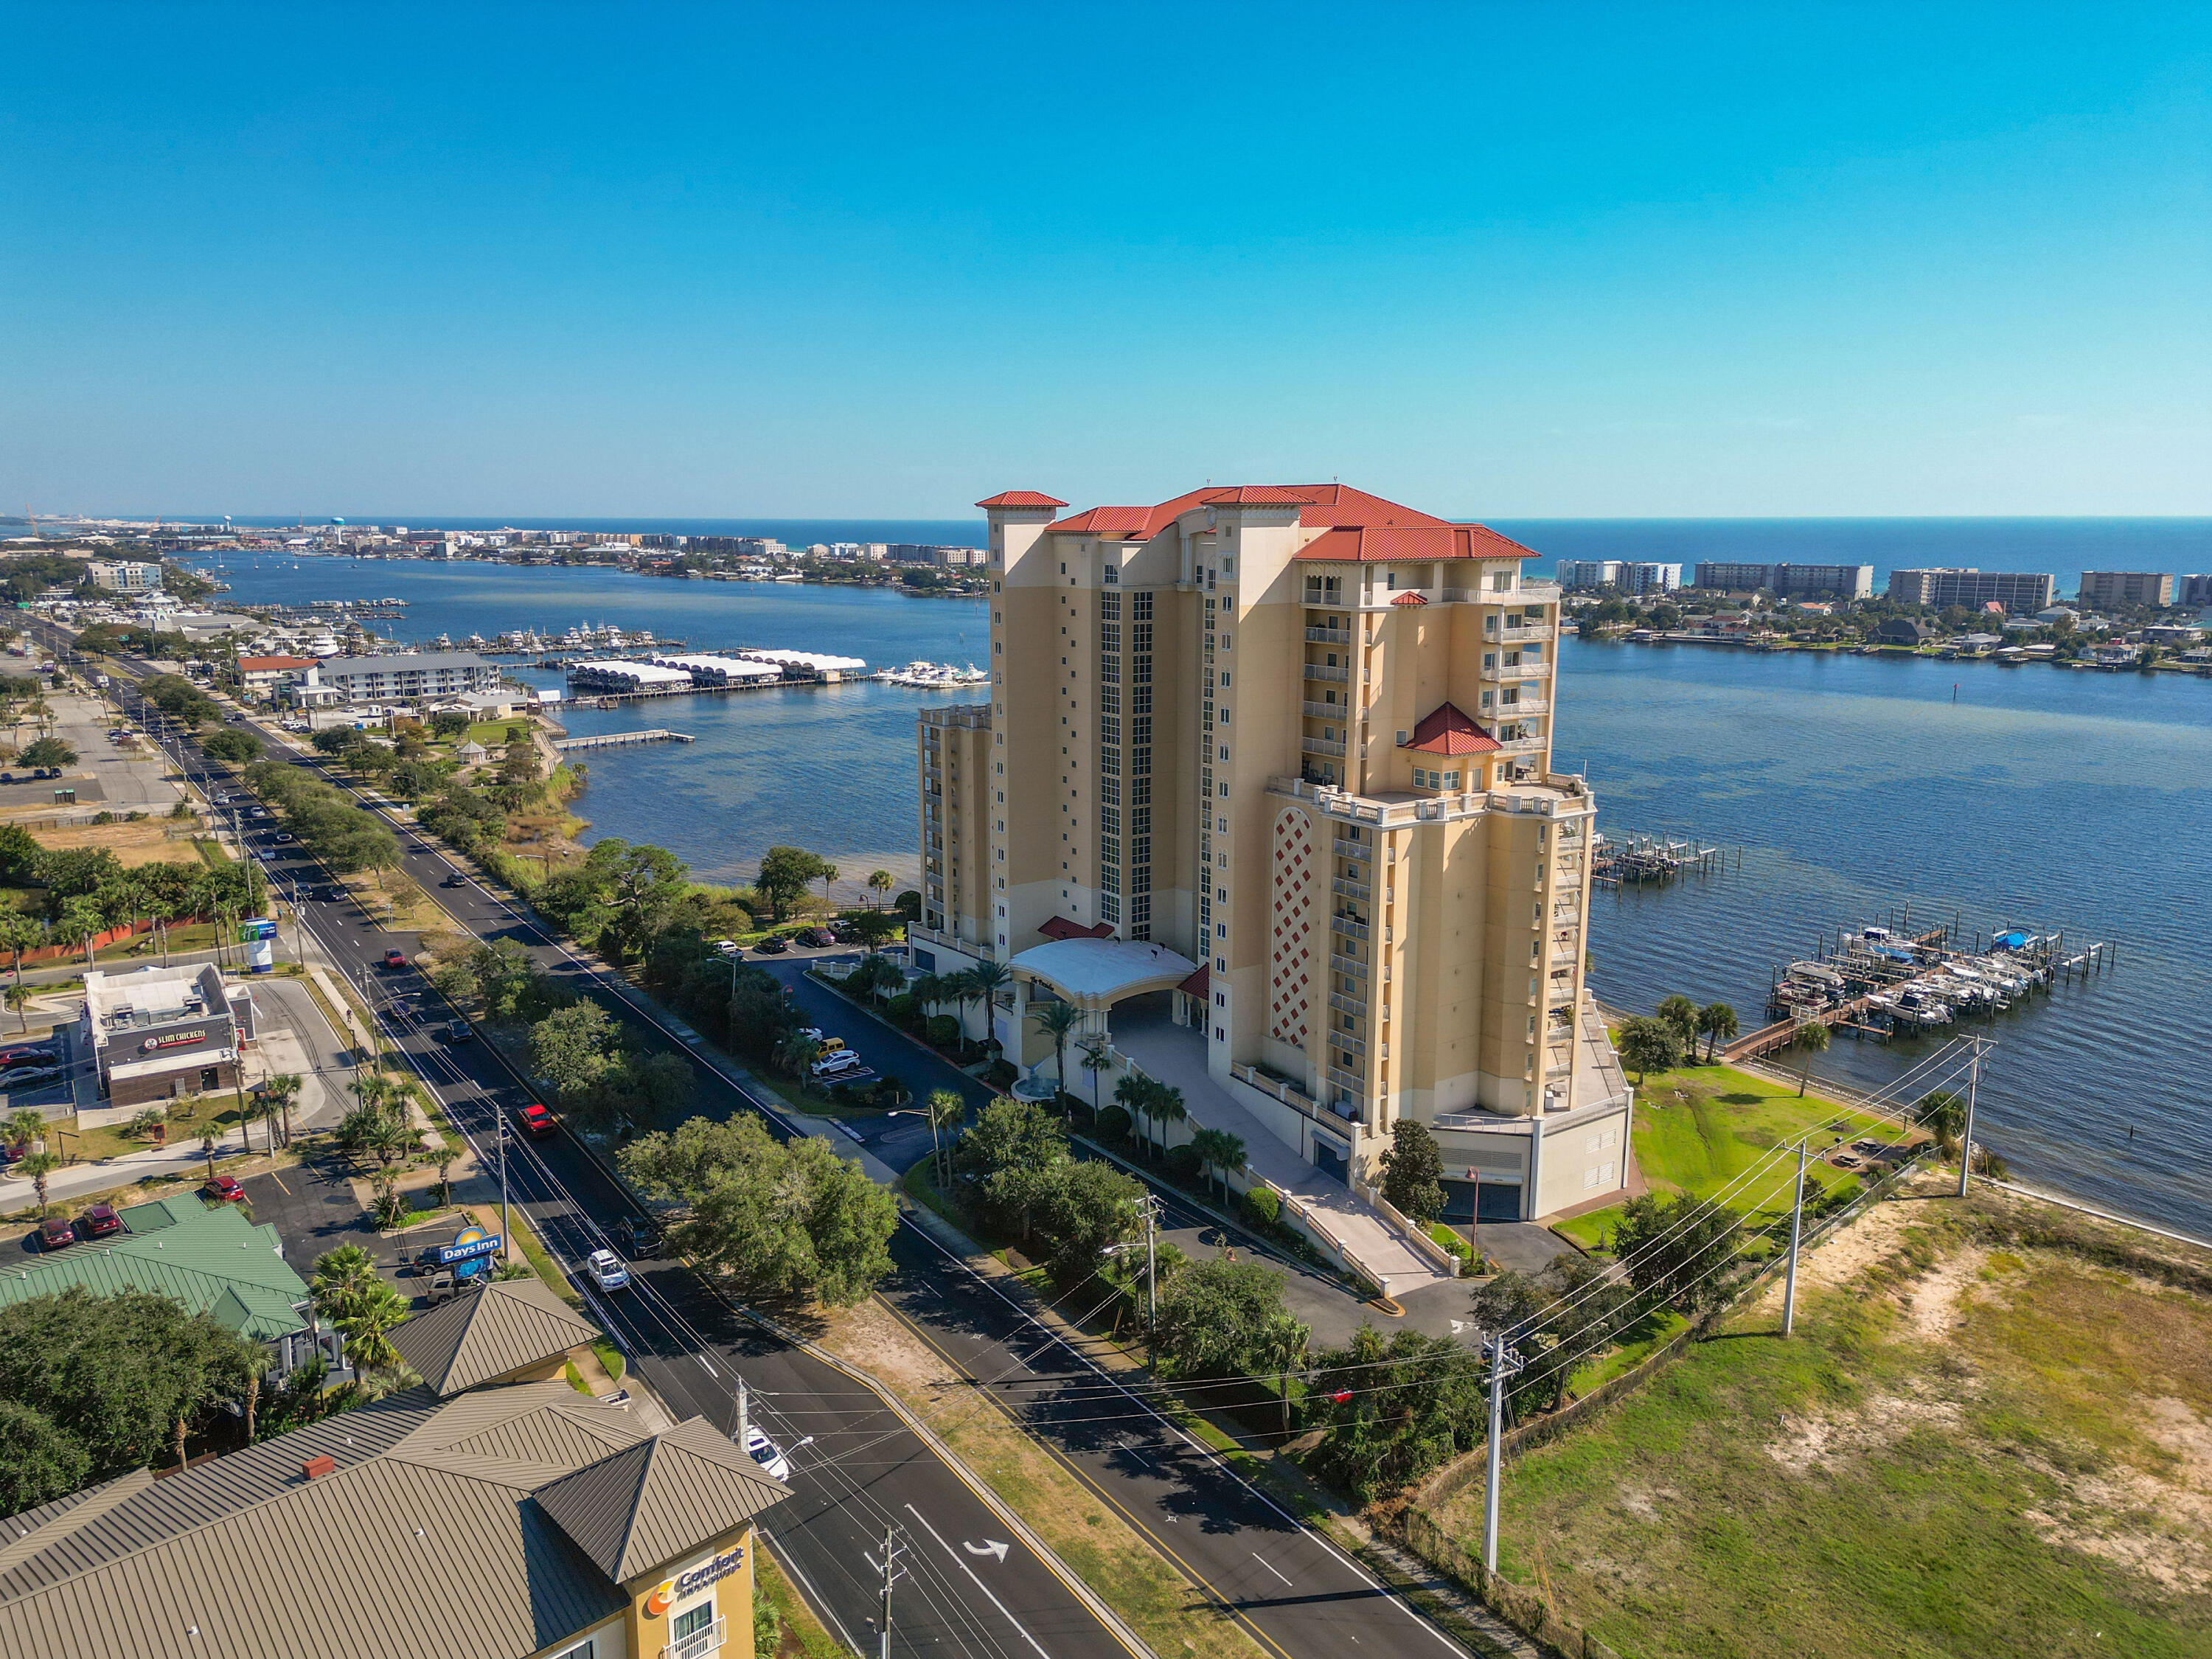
point(1265, 786)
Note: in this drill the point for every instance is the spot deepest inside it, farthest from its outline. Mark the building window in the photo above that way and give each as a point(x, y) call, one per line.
point(692, 1622)
point(584, 1650)
point(1141, 607)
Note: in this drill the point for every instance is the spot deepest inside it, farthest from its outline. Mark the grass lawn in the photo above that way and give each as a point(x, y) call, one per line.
point(1972, 1447)
point(799, 1634)
point(1699, 1128)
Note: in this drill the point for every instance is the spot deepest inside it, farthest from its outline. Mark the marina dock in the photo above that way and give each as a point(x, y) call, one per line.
point(613, 739)
point(1632, 858)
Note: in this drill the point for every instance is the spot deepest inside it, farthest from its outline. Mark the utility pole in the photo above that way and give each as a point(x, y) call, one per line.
point(1973, 1085)
point(1151, 1294)
point(1797, 1227)
point(506, 1234)
point(744, 1417)
point(1504, 1363)
point(892, 1573)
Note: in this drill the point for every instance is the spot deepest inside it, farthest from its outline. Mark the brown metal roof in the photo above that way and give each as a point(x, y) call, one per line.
point(485, 1335)
point(644, 1506)
point(446, 1528)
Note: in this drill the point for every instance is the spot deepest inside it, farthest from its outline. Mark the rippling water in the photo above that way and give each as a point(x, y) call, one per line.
point(1849, 786)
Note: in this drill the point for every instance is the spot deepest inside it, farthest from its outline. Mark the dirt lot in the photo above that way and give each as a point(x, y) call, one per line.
point(1993, 1435)
point(146, 842)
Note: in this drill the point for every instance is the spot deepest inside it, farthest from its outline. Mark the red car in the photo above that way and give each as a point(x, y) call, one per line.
point(11, 1057)
point(537, 1121)
point(98, 1222)
point(55, 1233)
point(224, 1189)
point(394, 960)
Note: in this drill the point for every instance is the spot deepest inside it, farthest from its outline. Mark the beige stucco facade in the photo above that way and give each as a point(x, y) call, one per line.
point(1301, 736)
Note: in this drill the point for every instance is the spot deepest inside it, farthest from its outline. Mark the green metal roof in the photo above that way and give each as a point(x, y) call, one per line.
point(213, 1260)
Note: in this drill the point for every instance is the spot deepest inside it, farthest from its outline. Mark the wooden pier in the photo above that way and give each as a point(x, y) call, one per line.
point(612, 740)
point(1631, 857)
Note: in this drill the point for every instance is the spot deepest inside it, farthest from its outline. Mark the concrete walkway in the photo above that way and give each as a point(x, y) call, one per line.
point(1176, 1054)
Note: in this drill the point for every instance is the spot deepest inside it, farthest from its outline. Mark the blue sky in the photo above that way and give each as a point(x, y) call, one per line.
point(1509, 261)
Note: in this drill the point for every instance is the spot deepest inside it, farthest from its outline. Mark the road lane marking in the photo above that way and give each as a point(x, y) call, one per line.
point(1262, 1560)
point(979, 1585)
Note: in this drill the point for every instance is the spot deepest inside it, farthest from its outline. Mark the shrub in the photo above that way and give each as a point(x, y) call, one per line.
point(944, 1030)
point(1183, 1164)
point(1114, 1126)
point(1261, 1207)
point(904, 1010)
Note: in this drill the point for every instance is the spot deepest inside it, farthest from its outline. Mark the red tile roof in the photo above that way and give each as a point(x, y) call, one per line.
point(1409, 598)
point(1357, 527)
point(1198, 983)
point(1445, 730)
point(1062, 928)
point(257, 665)
point(1021, 498)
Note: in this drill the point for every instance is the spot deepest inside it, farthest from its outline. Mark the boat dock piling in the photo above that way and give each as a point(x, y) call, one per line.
point(1631, 856)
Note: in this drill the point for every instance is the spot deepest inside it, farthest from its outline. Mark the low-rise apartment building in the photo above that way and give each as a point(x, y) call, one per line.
point(262, 676)
point(1943, 586)
point(2108, 588)
point(1848, 581)
point(123, 575)
point(404, 677)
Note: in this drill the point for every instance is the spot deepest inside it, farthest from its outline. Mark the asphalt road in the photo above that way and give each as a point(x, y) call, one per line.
point(1298, 1596)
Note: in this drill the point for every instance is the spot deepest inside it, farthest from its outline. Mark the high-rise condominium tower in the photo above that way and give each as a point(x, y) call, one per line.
point(1265, 788)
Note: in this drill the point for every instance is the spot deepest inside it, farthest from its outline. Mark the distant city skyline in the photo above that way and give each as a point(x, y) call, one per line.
point(1535, 263)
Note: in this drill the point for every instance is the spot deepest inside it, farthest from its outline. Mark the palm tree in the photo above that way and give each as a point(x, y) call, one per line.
point(942, 1111)
point(1218, 1149)
point(1813, 1038)
point(79, 924)
point(283, 1089)
point(19, 934)
point(25, 1125)
point(959, 989)
point(350, 1293)
point(1681, 1013)
point(19, 998)
point(39, 1166)
point(1095, 1061)
point(1717, 1021)
point(1283, 1343)
point(879, 883)
point(1164, 1106)
point(1129, 1095)
point(991, 978)
point(1058, 1020)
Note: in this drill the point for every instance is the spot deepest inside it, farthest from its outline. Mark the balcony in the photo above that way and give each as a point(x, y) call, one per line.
point(1538, 633)
point(1517, 671)
point(1353, 849)
point(1344, 887)
point(1328, 711)
point(1328, 637)
point(1349, 1044)
point(1349, 966)
point(1345, 1005)
point(1323, 746)
point(1559, 989)
point(1522, 709)
point(1350, 927)
point(699, 1644)
point(1321, 670)
point(1519, 745)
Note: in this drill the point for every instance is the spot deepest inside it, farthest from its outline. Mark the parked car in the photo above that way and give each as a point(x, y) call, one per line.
point(536, 1121)
point(98, 1222)
point(837, 1063)
point(766, 1453)
point(640, 1240)
point(728, 947)
point(11, 1057)
point(224, 1189)
point(32, 1076)
point(817, 938)
point(773, 946)
point(394, 960)
point(55, 1233)
point(607, 1270)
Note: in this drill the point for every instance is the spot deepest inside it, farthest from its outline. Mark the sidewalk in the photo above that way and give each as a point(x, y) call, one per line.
point(183, 1159)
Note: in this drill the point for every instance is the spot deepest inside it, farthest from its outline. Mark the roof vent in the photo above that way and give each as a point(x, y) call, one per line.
point(316, 1468)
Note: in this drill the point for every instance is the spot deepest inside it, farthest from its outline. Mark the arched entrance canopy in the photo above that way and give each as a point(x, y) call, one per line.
point(1097, 972)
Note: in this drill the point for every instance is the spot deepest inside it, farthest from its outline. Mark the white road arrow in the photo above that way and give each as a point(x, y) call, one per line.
point(991, 1546)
